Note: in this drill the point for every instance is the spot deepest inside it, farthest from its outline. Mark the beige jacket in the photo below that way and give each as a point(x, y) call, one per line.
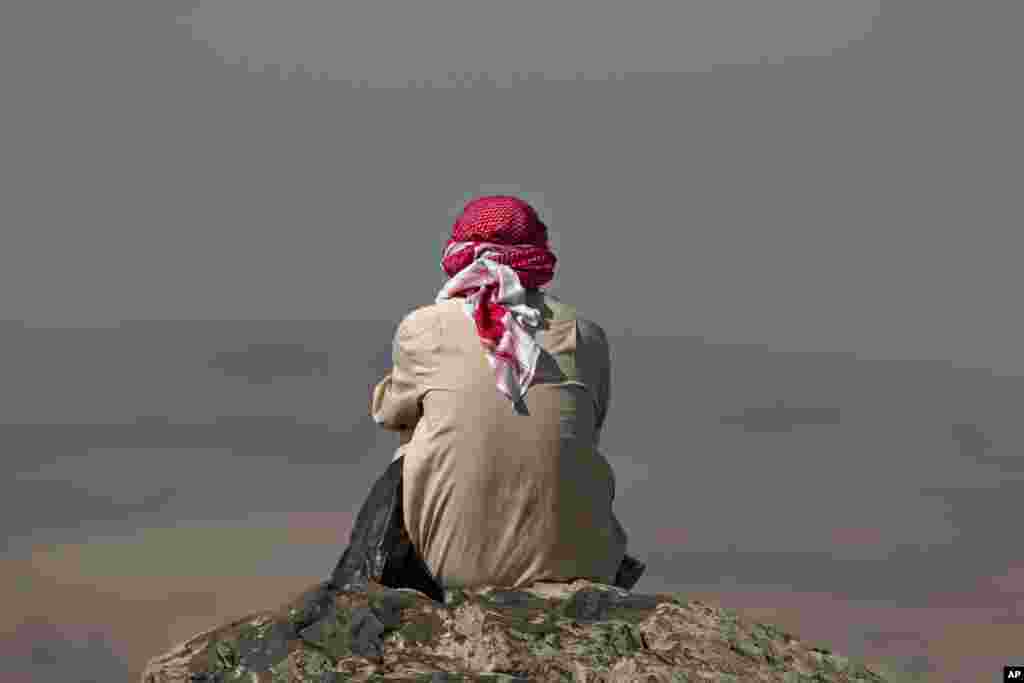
point(491, 496)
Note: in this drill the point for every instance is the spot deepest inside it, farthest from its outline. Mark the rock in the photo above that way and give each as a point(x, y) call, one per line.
point(589, 605)
point(579, 631)
point(260, 651)
point(365, 633)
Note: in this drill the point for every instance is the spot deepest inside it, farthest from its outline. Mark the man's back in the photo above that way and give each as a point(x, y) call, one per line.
point(491, 495)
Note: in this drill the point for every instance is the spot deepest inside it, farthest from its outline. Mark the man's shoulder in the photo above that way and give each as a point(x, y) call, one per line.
point(425, 316)
point(560, 310)
point(567, 311)
point(439, 309)
point(589, 330)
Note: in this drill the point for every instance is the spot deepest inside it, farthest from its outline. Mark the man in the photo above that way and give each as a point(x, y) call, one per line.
point(500, 392)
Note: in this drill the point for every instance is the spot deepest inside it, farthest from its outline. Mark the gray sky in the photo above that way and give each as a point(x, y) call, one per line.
point(857, 190)
point(388, 43)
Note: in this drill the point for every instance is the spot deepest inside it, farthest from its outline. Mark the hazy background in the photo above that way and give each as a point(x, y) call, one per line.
point(214, 214)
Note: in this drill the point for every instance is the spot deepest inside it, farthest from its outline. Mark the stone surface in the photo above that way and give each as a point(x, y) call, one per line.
point(582, 631)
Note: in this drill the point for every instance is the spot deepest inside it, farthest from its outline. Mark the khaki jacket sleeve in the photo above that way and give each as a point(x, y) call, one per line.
point(396, 403)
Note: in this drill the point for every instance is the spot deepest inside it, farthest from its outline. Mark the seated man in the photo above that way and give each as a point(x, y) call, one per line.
point(500, 392)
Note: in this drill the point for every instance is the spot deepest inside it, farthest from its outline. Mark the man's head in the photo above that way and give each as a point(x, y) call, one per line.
point(511, 226)
point(500, 219)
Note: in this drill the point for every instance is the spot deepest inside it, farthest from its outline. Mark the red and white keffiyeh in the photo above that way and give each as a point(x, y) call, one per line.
point(498, 248)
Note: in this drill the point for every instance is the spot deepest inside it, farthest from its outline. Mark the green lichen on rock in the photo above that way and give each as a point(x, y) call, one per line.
point(453, 597)
point(417, 632)
point(316, 662)
point(833, 662)
point(336, 639)
point(280, 672)
point(223, 655)
point(769, 633)
point(391, 599)
point(747, 648)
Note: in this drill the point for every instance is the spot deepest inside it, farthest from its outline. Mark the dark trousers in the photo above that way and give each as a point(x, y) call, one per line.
point(380, 550)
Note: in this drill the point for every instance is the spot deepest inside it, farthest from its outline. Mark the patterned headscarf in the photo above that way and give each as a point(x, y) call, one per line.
point(498, 248)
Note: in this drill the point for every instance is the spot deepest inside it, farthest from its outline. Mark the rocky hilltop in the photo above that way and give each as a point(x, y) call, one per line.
point(582, 632)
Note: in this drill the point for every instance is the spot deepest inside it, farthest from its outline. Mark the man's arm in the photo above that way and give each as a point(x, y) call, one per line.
point(396, 400)
point(596, 342)
point(604, 392)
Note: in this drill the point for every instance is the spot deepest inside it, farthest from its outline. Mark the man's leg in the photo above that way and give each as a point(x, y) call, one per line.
point(379, 548)
point(405, 567)
point(630, 571)
point(373, 532)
